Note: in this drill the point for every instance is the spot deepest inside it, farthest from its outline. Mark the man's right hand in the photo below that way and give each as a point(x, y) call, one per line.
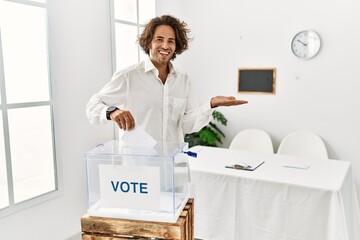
point(124, 119)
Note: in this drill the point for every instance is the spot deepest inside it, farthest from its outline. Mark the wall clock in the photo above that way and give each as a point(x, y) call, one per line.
point(306, 44)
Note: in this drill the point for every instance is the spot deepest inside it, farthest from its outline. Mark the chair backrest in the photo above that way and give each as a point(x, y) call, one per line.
point(303, 143)
point(253, 140)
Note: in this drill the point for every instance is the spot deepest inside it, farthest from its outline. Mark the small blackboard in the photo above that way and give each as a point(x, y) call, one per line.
point(257, 80)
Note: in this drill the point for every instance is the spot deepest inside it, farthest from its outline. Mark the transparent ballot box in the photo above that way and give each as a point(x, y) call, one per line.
point(138, 183)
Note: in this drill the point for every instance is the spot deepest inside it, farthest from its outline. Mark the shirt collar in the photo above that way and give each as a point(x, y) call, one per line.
point(149, 66)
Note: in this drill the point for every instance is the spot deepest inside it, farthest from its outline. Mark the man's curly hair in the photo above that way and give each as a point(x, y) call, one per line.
point(180, 28)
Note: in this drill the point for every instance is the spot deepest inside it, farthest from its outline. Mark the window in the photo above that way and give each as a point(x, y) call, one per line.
point(128, 16)
point(27, 153)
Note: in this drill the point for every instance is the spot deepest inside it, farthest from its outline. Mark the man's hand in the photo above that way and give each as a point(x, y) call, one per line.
point(124, 119)
point(225, 101)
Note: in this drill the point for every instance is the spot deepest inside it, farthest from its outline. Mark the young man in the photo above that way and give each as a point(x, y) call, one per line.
point(153, 94)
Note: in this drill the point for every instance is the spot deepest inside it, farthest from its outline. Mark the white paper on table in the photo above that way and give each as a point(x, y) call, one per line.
point(137, 137)
point(297, 164)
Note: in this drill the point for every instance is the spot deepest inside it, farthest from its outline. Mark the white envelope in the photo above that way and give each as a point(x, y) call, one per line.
point(137, 137)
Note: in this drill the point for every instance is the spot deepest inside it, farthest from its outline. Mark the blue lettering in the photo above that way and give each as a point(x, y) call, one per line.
point(143, 188)
point(115, 187)
point(134, 185)
point(127, 186)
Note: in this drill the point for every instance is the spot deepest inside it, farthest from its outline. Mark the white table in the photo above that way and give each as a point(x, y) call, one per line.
point(273, 202)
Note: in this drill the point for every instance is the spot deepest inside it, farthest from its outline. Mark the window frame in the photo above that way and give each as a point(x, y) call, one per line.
point(4, 107)
point(113, 21)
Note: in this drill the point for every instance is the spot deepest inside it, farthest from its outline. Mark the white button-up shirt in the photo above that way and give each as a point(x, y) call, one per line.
point(166, 111)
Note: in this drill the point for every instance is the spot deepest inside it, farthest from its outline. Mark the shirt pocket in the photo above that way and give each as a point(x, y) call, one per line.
point(178, 108)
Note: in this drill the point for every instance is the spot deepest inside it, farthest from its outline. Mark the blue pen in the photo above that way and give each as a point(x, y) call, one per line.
point(191, 154)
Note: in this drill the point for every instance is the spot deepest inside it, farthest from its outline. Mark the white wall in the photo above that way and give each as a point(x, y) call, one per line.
point(321, 94)
point(81, 58)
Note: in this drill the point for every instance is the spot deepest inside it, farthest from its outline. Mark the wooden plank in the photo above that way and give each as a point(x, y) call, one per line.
point(189, 207)
point(185, 215)
point(101, 228)
point(191, 202)
point(102, 225)
point(99, 237)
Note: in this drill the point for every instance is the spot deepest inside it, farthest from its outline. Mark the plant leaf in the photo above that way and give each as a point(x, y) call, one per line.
point(209, 136)
point(219, 117)
point(213, 125)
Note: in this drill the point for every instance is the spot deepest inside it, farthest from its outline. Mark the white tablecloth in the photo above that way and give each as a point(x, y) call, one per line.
point(273, 202)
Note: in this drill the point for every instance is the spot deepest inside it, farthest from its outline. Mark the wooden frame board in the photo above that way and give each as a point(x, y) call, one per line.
point(257, 80)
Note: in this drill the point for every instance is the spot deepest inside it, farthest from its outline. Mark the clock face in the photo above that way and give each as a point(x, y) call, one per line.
point(306, 44)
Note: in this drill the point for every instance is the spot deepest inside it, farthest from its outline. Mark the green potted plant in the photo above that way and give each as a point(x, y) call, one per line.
point(210, 135)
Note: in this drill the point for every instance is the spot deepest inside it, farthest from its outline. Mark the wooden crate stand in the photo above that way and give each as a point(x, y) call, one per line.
point(100, 228)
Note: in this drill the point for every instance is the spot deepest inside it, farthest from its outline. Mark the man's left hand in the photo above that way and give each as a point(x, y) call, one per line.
point(225, 101)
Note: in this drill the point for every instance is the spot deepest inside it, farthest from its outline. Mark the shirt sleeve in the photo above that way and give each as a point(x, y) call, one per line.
point(196, 116)
point(112, 94)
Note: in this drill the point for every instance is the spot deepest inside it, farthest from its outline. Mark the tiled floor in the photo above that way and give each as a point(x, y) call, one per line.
point(75, 237)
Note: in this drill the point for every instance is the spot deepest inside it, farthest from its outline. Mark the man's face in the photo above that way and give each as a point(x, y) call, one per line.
point(162, 46)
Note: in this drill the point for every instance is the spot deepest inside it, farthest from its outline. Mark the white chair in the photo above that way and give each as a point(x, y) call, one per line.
point(303, 143)
point(253, 140)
